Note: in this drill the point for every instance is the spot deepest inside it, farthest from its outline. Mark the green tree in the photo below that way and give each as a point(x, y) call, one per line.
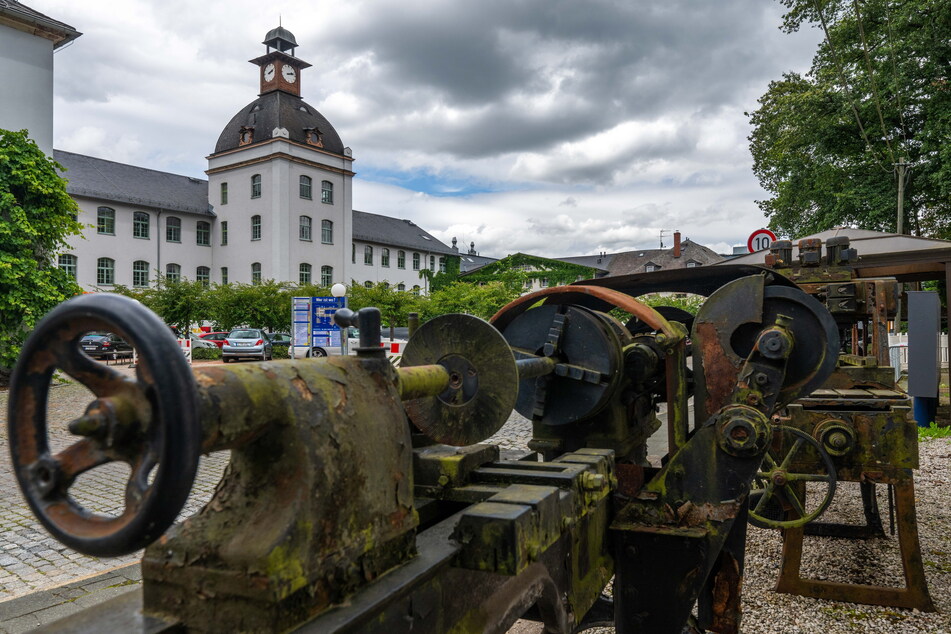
point(825, 145)
point(394, 305)
point(479, 300)
point(37, 217)
point(266, 305)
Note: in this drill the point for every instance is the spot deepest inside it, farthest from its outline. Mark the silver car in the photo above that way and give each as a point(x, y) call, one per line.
point(246, 343)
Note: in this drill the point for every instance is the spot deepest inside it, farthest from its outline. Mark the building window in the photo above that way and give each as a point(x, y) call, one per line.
point(401, 259)
point(650, 268)
point(304, 228)
point(203, 233)
point(385, 258)
point(255, 272)
point(224, 275)
point(106, 221)
point(415, 261)
point(67, 263)
point(305, 273)
point(416, 289)
point(368, 254)
point(305, 187)
point(140, 225)
point(401, 286)
point(173, 229)
point(432, 263)
point(326, 231)
point(173, 272)
point(224, 233)
point(353, 253)
point(140, 273)
point(224, 193)
point(256, 186)
point(326, 275)
point(255, 227)
point(691, 264)
point(203, 275)
point(442, 264)
point(368, 284)
point(327, 192)
point(105, 271)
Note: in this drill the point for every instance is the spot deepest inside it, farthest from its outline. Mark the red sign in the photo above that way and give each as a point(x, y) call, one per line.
point(759, 240)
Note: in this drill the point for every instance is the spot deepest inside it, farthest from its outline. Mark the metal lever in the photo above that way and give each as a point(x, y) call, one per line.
point(369, 322)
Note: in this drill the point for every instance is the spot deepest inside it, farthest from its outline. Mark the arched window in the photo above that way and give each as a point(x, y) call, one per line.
point(173, 229)
point(327, 232)
point(326, 275)
point(140, 273)
point(368, 254)
point(305, 187)
point(401, 286)
point(140, 225)
point(255, 227)
point(203, 233)
point(442, 264)
point(432, 263)
point(327, 192)
point(256, 186)
point(106, 221)
point(304, 230)
point(415, 261)
point(255, 272)
point(68, 263)
point(173, 272)
point(224, 275)
point(385, 258)
point(305, 270)
point(368, 284)
point(401, 259)
point(105, 271)
point(416, 289)
point(203, 275)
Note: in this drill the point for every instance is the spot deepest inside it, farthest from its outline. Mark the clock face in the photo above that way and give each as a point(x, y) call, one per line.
point(289, 74)
point(269, 72)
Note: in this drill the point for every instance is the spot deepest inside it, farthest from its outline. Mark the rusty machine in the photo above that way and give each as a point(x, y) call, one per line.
point(361, 497)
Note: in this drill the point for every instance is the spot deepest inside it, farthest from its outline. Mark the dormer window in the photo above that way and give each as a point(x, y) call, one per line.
point(246, 135)
point(314, 137)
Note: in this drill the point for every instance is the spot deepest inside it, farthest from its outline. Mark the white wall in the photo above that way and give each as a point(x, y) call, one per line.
point(26, 100)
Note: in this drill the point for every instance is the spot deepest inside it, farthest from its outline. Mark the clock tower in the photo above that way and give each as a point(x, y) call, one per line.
point(280, 69)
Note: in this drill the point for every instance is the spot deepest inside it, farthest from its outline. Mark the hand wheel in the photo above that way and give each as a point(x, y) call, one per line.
point(779, 487)
point(150, 423)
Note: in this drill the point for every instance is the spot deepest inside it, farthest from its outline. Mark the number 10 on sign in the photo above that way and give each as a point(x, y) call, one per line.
point(759, 240)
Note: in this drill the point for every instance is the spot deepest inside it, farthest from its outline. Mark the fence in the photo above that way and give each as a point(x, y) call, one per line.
point(900, 343)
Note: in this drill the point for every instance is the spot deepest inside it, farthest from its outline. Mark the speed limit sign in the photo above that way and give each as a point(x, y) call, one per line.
point(759, 240)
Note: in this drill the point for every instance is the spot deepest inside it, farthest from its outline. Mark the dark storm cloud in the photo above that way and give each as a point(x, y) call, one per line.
point(527, 76)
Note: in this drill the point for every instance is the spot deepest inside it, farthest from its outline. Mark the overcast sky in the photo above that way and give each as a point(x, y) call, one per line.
point(552, 127)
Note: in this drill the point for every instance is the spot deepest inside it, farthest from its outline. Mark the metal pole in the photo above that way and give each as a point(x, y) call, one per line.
point(900, 167)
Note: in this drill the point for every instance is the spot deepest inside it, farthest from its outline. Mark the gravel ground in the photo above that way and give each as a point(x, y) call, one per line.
point(873, 561)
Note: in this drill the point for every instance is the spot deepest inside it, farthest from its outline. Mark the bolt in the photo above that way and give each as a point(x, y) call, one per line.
point(443, 480)
point(752, 399)
point(761, 378)
point(592, 481)
point(838, 440)
point(661, 338)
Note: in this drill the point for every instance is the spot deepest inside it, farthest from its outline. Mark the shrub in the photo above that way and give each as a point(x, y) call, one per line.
point(281, 352)
point(206, 354)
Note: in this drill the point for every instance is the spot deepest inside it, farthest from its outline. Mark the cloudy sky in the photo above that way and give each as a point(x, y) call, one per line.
point(553, 127)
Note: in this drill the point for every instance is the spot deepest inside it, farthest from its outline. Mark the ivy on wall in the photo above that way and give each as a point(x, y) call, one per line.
point(557, 272)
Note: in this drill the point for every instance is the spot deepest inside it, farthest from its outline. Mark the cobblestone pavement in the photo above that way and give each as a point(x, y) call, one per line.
point(30, 559)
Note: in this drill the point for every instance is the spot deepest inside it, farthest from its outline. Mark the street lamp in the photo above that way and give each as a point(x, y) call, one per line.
point(339, 290)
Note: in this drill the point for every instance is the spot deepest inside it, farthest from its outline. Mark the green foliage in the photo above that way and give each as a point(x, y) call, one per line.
point(37, 217)
point(933, 431)
point(808, 151)
point(516, 269)
point(206, 354)
point(460, 297)
point(394, 305)
point(442, 280)
point(281, 352)
point(265, 305)
point(690, 303)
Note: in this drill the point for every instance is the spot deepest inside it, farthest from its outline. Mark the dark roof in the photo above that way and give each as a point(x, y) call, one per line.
point(629, 262)
point(274, 110)
point(280, 33)
point(107, 180)
point(469, 262)
point(396, 232)
point(61, 32)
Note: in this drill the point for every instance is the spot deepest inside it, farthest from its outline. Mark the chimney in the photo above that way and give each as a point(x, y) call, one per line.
point(676, 244)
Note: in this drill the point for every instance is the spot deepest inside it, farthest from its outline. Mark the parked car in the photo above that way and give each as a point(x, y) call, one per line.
point(246, 343)
point(217, 338)
point(104, 345)
point(198, 342)
point(279, 339)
